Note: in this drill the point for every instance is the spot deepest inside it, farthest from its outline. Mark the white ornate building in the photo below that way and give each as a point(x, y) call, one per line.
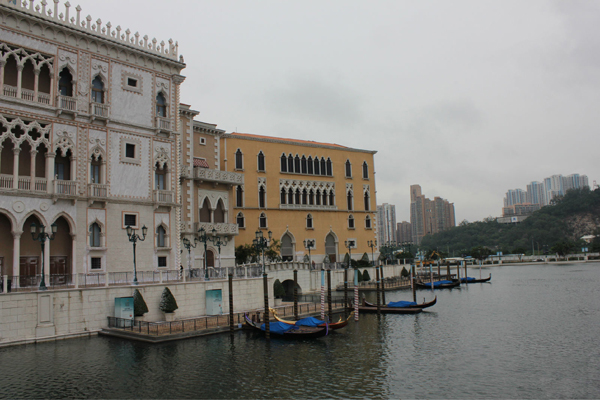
point(88, 141)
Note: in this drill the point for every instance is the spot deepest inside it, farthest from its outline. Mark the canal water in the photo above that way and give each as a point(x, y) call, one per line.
point(533, 332)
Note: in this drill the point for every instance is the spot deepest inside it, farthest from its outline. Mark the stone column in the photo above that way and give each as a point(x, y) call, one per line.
point(50, 156)
point(32, 170)
point(73, 259)
point(47, 260)
point(2, 63)
point(16, 254)
point(16, 168)
point(19, 77)
point(36, 83)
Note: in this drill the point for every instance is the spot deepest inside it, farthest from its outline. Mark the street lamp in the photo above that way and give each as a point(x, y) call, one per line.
point(204, 239)
point(41, 237)
point(308, 245)
point(133, 238)
point(372, 245)
point(349, 245)
point(188, 245)
point(261, 243)
point(218, 241)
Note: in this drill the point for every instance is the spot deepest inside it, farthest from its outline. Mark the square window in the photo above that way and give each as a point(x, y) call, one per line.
point(96, 263)
point(129, 150)
point(203, 140)
point(132, 82)
point(130, 220)
point(162, 262)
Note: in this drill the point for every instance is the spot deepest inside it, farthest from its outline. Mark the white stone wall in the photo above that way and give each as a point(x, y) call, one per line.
point(129, 104)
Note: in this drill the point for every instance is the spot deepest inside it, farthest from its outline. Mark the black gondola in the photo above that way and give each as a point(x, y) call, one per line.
point(439, 284)
point(473, 280)
point(281, 330)
point(420, 306)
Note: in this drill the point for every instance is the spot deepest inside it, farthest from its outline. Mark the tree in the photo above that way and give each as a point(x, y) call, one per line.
point(278, 289)
point(139, 305)
point(480, 253)
point(168, 304)
point(404, 273)
point(366, 276)
point(360, 275)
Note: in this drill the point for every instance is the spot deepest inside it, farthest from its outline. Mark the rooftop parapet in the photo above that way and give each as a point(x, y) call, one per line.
point(45, 11)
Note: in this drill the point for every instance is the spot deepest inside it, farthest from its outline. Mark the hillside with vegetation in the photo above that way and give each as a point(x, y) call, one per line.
point(556, 228)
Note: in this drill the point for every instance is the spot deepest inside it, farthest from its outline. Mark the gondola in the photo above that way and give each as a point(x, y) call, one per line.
point(439, 284)
point(408, 304)
point(286, 331)
point(310, 321)
point(388, 310)
point(473, 280)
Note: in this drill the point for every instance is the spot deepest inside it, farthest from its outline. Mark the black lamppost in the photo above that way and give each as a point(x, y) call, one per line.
point(133, 238)
point(218, 241)
point(204, 239)
point(349, 245)
point(188, 245)
point(308, 245)
point(261, 243)
point(372, 244)
point(42, 235)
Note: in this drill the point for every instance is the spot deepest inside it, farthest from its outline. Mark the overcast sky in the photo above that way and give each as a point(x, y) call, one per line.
point(466, 98)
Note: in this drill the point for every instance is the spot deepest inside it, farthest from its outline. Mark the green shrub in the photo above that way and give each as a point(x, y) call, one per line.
point(278, 289)
point(139, 305)
point(360, 276)
point(404, 272)
point(366, 276)
point(168, 304)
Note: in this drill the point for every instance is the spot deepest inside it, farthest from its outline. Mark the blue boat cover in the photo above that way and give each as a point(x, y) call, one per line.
point(310, 321)
point(278, 328)
point(467, 279)
point(439, 283)
point(401, 304)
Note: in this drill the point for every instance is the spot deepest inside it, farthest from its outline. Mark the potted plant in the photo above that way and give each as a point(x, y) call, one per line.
point(168, 304)
point(278, 292)
point(139, 306)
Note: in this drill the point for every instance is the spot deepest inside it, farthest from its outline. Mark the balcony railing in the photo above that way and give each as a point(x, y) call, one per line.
point(163, 196)
point(23, 183)
point(6, 181)
point(27, 94)
point(44, 98)
point(163, 124)
point(66, 103)
point(99, 110)
point(222, 229)
point(97, 190)
point(65, 188)
point(215, 175)
point(10, 91)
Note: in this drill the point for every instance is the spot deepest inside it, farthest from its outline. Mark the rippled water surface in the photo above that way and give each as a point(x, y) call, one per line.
point(531, 333)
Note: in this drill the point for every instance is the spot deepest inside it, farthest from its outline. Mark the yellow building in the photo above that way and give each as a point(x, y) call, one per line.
point(303, 190)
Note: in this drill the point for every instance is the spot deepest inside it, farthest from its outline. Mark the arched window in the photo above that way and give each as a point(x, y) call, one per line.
point(239, 159)
point(161, 105)
point(309, 164)
point(240, 220)
point(318, 197)
point(261, 162)
point(368, 222)
point(96, 171)
point(161, 236)
point(348, 169)
point(290, 196)
point(160, 177)
point(205, 211)
point(219, 214)
point(350, 221)
point(332, 198)
point(304, 196)
point(366, 201)
point(329, 167)
point(290, 163)
point(283, 196)
point(323, 166)
point(365, 170)
point(65, 83)
point(349, 198)
point(287, 248)
point(297, 197)
point(311, 197)
point(239, 197)
point(262, 220)
point(28, 76)
point(283, 163)
point(297, 164)
point(11, 75)
point(97, 90)
point(303, 164)
point(309, 221)
point(317, 166)
point(324, 197)
point(262, 201)
point(95, 235)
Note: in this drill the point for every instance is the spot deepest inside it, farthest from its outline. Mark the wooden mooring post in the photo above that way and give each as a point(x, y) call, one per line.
point(382, 286)
point(378, 293)
point(230, 304)
point(345, 293)
point(329, 309)
point(412, 282)
point(296, 294)
point(266, 313)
